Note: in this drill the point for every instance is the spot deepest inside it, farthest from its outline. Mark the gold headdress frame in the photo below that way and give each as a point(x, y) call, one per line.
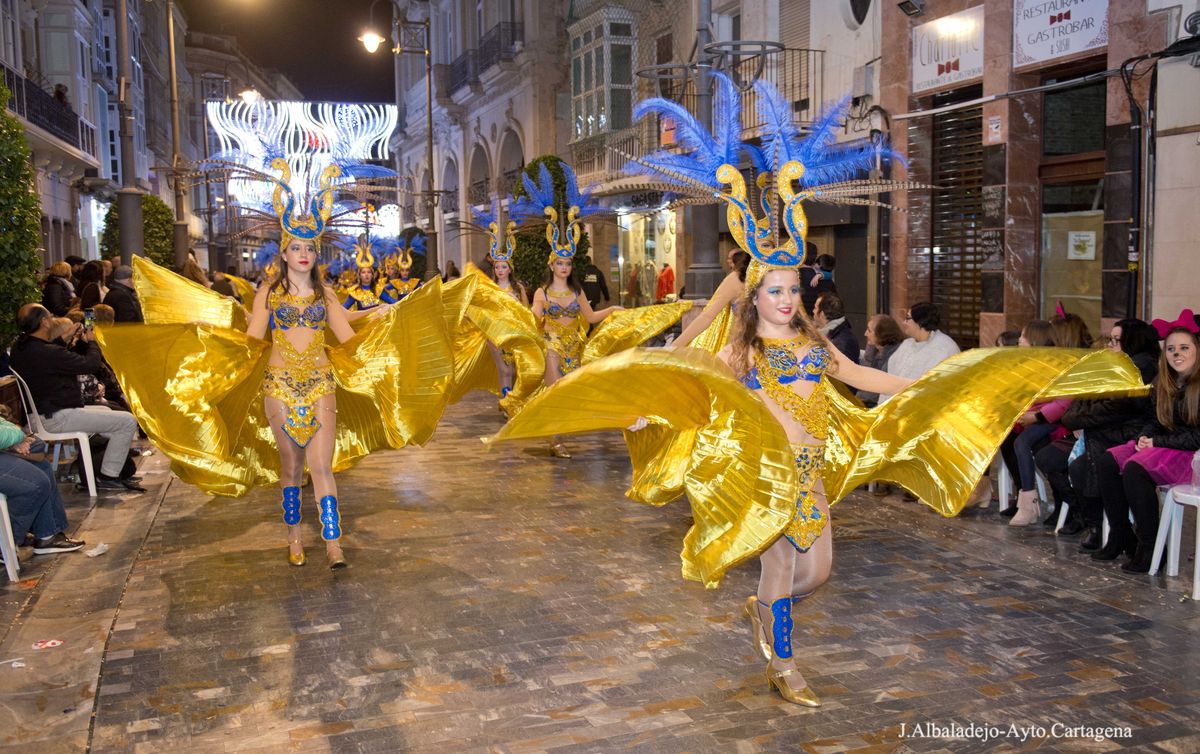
point(310, 225)
point(505, 241)
point(362, 253)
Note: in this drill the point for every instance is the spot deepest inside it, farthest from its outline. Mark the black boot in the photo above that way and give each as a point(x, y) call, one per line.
point(1072, 527)
point(1052, 520)
point(1119, 541)
point(1139, 562)
point(1090, 541)
point(1010, 511)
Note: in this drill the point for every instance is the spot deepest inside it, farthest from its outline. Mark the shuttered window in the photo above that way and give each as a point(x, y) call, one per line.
point(951, 145)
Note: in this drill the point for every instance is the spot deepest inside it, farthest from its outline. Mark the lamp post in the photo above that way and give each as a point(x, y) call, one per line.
point(129, 196)
point(181, 226)
point(413, 37)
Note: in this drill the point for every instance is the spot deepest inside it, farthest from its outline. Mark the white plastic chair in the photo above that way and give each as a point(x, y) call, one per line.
point(56, 438)
point(1170, 529)
point(1005, 489)
point(7, 544)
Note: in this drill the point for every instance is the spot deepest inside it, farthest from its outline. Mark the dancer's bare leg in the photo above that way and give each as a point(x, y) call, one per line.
point(552, 375)
point(788, 576)
point(291, 465)
point(320, 465)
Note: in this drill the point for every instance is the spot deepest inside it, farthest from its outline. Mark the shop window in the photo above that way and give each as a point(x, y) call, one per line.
point(1073, 120)
point(1072, 253)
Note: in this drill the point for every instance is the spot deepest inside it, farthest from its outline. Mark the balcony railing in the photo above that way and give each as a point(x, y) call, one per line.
point(478, 194)
point(500, 44)
point(462, 71)
point(795, 72)
point(35, 105)
point(449, 201)
point(510, 180)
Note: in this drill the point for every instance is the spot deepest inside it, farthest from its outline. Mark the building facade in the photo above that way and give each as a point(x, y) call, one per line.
point(1015, 112)
point(59, 60)
point(498, 85)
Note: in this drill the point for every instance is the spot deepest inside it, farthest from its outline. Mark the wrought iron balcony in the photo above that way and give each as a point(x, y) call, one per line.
point(478, 194)
point(797, 74)
point(449, 201)
point(462, 71)
point(500, 44)
point(39, 108)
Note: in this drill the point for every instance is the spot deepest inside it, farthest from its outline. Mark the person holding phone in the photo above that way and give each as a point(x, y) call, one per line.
point(52, 373)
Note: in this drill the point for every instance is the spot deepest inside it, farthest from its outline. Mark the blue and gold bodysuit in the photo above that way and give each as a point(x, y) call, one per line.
point(566, 340)
point(300, 382)
point(774, 372)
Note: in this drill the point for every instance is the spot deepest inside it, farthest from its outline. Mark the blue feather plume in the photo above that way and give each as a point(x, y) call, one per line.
point(704, 152)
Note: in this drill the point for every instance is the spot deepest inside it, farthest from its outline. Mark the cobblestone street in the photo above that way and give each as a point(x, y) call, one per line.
point(507, 601)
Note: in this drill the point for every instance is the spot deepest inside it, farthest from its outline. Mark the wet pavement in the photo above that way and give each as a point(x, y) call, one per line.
point(506, 601)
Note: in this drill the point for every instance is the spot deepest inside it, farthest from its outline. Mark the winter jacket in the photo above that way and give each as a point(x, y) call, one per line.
point(57, 295)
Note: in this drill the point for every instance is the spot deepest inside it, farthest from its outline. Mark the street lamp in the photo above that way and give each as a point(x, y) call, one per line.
point(413, 37)
point(181, 239)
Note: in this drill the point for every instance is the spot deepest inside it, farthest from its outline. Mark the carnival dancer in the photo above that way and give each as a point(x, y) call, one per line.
point(367, 294)
point(758, 439)
point(509, 314)
point(198, 397)
point(402, 259)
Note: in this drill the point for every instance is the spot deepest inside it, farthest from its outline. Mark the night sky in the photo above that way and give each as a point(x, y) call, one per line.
point(313, 42)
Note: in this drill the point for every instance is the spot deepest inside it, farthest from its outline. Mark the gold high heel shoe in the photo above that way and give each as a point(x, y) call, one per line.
point(777, 679)
point(335, 561)
point(295, 558)
point(756, 625)
point(558, 450)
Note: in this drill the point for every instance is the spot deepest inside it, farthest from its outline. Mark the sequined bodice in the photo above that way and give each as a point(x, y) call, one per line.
point(777, 368)
point(555, 310)
point(289, 310)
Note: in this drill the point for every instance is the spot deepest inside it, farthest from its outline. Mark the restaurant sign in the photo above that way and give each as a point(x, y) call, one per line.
point(948, 50)
point(1048, 29)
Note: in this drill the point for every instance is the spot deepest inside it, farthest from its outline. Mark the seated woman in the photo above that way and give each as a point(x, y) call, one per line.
point(1097, 425)
point(1036, 428)
point(1129, 474)
point(34, 505)
point(883, 337)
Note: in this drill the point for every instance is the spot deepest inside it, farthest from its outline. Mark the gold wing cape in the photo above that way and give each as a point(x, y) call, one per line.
point(631, 327)
point(938, 437)
point(714, 439)
point(724, 448)
point(196, 386)
point(483, 314)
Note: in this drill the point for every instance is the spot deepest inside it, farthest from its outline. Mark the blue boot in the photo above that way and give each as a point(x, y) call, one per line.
point(291, 517)
point(781, 648)
point(291, 505)
point(331, 531)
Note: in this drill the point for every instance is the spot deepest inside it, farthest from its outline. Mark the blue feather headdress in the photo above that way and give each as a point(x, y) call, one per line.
point(490, 221)
point(707, 169)
point(539, 205)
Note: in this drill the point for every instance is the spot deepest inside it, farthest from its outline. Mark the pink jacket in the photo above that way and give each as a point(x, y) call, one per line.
point(1052, 412)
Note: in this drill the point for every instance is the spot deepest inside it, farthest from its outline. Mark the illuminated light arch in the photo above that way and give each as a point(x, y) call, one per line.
point(309, 135)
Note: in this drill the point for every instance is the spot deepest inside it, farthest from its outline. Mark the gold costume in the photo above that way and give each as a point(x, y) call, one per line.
point(302, 379)
point(714, 439)
point(196, 387)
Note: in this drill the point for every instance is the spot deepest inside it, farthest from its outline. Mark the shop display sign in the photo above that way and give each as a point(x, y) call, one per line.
point(1081, 245)
point(948, 50)
point(1048, 29)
